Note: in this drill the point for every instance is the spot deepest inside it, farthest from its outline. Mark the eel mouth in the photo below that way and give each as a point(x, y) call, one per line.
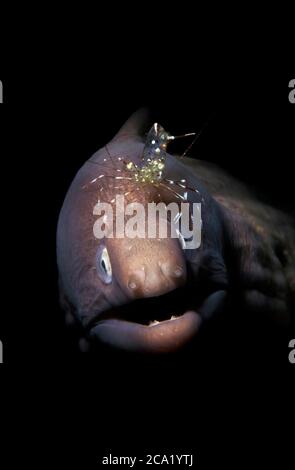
point(157, 324)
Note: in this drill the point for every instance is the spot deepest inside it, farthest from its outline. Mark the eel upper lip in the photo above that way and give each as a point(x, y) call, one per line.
point(159, 324)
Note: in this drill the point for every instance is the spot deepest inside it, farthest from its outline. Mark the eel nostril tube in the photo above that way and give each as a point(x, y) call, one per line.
point(132, 284)
point(171, 270)
point(178, 272)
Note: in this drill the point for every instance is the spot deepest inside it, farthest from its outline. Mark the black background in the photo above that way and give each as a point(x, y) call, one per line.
point(63, 102)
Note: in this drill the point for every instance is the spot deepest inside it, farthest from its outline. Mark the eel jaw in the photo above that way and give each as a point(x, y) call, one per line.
point(159, 336)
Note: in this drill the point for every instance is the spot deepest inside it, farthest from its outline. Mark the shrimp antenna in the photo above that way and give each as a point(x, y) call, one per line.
point(173, 137)
point(197, 135)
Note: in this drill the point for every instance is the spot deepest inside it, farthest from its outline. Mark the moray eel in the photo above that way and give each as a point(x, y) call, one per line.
point(151, 295)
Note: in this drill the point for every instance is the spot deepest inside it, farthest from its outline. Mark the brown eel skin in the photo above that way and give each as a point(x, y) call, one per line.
point(247, 252)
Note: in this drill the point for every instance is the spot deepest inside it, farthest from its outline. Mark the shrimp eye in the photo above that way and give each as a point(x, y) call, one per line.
point(103, 265)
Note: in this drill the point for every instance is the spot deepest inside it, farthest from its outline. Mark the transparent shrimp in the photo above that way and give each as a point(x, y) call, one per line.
point(151, 168)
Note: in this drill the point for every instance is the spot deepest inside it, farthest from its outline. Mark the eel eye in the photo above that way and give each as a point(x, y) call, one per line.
point(103, 265)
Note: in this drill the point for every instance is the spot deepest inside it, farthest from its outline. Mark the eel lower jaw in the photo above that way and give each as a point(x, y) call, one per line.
point(163, 336)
